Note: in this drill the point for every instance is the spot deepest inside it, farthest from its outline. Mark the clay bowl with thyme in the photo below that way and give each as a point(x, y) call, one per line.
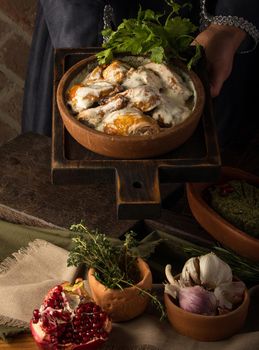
point(206, 328)
point(132, 146)
point(223, 231)
point(122, 304)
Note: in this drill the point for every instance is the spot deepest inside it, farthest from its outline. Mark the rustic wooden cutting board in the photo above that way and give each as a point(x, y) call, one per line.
point(136, 181)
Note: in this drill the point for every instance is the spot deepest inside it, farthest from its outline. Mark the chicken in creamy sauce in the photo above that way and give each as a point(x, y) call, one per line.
point(119, 99)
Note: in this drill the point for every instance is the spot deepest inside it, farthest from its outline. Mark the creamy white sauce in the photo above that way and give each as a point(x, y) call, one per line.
point(142, 76)
point(170, 111)
point(85, 96)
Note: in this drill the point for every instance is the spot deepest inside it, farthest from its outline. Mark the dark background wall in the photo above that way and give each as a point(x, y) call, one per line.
point(16, 27)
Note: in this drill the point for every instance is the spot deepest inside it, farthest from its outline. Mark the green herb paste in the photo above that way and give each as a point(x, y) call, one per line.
point(238, 202)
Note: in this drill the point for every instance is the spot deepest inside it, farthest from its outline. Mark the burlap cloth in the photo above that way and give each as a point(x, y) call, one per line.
point(26, 276)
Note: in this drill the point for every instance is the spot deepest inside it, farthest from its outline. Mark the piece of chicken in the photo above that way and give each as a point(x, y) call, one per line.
point(94, 75)
point(170, 112)
point(93, 116)
point(81, 97)
point(128, 121)
point(171, 79)
point(142, 76)
point(115, 72)
point(142, 97)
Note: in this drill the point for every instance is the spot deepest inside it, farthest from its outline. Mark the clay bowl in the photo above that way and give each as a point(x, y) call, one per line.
point(206, 328)
point(126, 304)
point(127, 147)
point(224, 232)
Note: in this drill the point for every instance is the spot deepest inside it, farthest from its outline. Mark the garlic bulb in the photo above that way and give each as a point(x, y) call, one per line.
point(197, 300)
point(206, 270)
point(214, 271)
point(229, 294)
point(205, 286)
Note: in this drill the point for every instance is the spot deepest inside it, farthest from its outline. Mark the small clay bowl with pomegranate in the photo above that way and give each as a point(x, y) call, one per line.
point(125, 304)
point(206, 328)
point(219, 228)
point(133, 146)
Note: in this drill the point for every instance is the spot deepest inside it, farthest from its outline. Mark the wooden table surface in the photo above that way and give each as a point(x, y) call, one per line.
point(21, 342)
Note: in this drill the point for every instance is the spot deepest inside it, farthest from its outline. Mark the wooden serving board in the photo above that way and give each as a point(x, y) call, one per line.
point(137, 181)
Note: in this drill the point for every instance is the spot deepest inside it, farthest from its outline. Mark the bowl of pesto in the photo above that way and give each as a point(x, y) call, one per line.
point(229, 210)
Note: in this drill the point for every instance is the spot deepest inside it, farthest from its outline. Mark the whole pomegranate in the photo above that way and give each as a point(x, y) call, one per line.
point(69, 319)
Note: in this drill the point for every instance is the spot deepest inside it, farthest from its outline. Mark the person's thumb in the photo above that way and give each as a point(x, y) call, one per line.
point(217, 77)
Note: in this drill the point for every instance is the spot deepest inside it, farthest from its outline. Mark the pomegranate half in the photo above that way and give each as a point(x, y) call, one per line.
point(68, 319)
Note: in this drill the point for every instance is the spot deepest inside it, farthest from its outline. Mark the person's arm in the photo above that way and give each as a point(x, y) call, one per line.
point(74, 23)
point(229, 25)
point(236, 13)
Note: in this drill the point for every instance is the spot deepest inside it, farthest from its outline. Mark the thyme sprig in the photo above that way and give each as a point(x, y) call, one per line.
point(114, 261)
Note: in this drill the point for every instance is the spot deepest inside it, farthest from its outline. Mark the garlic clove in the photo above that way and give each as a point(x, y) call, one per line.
point(172, 290)
point(213, 271)
point(168, 274)
point(190, 274)
point(229, 294)
point(197, 300)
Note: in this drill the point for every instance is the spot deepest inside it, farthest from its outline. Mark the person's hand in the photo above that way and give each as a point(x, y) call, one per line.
point(220, 44)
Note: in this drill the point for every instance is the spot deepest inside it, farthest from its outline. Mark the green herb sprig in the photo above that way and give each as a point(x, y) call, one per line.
point(150, 35)
point(114, 261)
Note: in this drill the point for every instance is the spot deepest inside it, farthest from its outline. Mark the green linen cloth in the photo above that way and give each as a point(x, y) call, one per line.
point(13, 237)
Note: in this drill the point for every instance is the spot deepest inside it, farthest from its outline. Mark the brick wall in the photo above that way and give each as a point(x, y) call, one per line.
point(16, 27)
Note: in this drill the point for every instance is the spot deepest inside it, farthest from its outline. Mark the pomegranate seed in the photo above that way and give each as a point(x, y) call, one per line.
point(58, 288)
point(56, 314)
point(36, 313)
point(103, 316)
point(50, 303)
point(96, 309)
point(86, 339)
point(45, 322)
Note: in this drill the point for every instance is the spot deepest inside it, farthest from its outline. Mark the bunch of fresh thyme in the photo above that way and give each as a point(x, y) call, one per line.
point(114, 261)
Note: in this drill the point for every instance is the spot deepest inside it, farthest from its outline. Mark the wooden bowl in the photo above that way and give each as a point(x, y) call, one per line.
point(127, 147)
point(223, 231)
point(206, 328)
point(126, 304)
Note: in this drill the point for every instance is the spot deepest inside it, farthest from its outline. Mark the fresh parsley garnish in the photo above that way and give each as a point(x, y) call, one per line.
point(153, 36)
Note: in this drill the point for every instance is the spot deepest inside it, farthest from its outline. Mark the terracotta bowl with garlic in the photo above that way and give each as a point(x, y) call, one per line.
point(205, 302)
point(131, 108)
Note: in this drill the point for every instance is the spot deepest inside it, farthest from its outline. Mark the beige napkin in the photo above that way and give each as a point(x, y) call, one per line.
point(26, 277)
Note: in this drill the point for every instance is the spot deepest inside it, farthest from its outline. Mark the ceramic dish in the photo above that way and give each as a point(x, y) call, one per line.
point(126, 304)
point(206, 328)
point(127, 147)
point(224, 232)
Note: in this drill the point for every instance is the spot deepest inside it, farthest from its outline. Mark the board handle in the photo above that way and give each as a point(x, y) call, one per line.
point(137, 191)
